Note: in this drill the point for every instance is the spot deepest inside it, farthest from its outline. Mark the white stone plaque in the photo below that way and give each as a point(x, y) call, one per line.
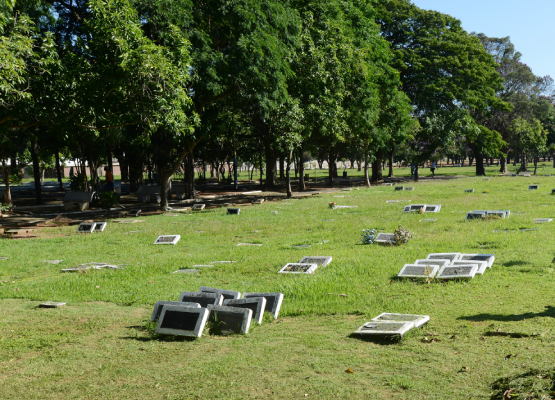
point(99, 227)
point(384, 328)
point(432, 208)
point(457, 272)
point(482, 265)
point(416, 320)
point(167, 239)
point(182, 321)
point(86, 227)
point(542, 220)
point(418, 271)
point(385, 238)
point(439, 262)
point(490, 258)
point(298, 268)
point(443, 256)
point(475, 215)
point(321, 261)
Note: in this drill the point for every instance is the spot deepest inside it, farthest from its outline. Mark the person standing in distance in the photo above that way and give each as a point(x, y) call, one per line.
point(109, 187)
point(433, 168)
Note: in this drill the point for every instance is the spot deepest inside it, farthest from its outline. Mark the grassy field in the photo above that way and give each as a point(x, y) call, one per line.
point(490, 334)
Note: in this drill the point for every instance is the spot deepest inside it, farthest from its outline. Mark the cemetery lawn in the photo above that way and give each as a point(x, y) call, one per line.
point(493, 333)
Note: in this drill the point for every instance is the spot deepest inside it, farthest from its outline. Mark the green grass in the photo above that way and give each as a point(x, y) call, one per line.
point(102, 345)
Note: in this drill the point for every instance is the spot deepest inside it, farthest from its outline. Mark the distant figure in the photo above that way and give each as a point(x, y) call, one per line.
point(459, 164)
point(109, 187)
point(412, 169)
point(71, 172)
point(433, 168)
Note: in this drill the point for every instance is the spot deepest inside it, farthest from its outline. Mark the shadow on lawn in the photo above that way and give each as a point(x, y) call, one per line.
point(152, 336)
point(516, 263)
point(384, 341)
point(549, 312)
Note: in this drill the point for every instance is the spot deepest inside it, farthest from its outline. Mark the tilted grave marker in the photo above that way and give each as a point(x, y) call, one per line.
point(159, 304)
point(202, 298)
point(231, 319)
point(475, 215)
point(542, 220)
point(273, 301)
point(490, 258)
point(533, 187)
point(500, 214)
point(417, 320)
point(482, 265)
point(99, 227)
point(228, 294)
point(234, 211)
point(384, 328)
point(433, 208)
point(443, 256)
point(86, 227)
point(457, 272)
point(198, 207)
point(298, 268)
point(439, 262)
point(256, 304)
point(418, 271)
point(322, 261)
point(182, 321)
point(167, 239)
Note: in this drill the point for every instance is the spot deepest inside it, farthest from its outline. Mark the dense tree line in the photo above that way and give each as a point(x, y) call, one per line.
point(166, 84)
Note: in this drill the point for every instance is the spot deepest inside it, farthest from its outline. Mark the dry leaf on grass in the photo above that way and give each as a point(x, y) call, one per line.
point(350, 371)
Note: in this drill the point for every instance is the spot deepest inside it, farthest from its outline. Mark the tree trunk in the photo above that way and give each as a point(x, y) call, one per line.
point(36, 171)
point(416, 172)
point(480, 170)
point(281, 167)
point(523, 163)
point(288, 175)
point(302, 186)
point(331, 165)
point(535, 165)
point(377, 168)
point(366, 177)
point(390, 174)
point(503, 165)
point(359, 162)
point(109, 155)
point(58, 172)
point(6, 173)
point(271, 173)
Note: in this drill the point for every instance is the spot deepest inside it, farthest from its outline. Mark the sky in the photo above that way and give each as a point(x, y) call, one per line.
point(529, 23)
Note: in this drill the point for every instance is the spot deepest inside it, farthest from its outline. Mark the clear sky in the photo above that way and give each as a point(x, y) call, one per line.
point(529, 23)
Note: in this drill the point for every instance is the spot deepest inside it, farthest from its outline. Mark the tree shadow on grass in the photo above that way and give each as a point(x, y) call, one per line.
point(152, 336)
point(548, 312)
point(516, 263)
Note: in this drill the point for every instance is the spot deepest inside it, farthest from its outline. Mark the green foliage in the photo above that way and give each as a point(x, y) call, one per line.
point(108, 199)
point(15, 179)
point(77, 182)
point(5, 207)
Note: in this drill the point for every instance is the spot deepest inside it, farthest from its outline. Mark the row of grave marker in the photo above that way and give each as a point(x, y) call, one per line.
point(431, 208)
point(231, 312)
point(389, 324)
point(448, 266)
point(478, 214)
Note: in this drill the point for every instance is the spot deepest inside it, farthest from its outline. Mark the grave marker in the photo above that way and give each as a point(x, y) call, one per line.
point(533, 187)
point(321, 261)
point(500, 214)
point(258, 201)
point(384, 329)
point(443, 256)
point(231, 319)
point(3, 258)
point(203, 266)
point(222, 262)
point(186, 271)
point(490, 258)
point(408, 188)
point(99, 227)
point(159, 304)
point(52, 261)
point(433, 208)
point(428, 220)
point(51, 304)
point(198, 207)
point(397, 188)
point(385, 238)
point(457, 272)
point(227, 294)
point(439, 262)
point(475, 215)
point(249, 244)
point(418, 271)
point(134, 213)
point(482, 265)
point(86, 227)
point(469, 191)
point(182, 321)
point(273, 301)
point(542, 220)
point(256, 304)
point(202, 298)
point(417, 320)
point(167, 239)
point(298, 268)
point(234, 211)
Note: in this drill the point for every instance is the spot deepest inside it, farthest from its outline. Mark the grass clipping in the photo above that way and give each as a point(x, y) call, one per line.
point(534, 384)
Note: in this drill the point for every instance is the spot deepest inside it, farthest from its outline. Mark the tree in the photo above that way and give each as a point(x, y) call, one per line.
point(529, 139)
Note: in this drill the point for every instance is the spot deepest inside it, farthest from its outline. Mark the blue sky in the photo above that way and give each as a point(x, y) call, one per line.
point(529, 23)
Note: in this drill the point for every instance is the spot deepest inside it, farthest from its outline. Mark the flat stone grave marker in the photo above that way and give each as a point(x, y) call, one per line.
point(327, 220)
point(51, 304)
point(528, 230)
point(392, 201)
point(418, 271)
point(416, 320)
point(186, 271)
point(503, 230)
point(231, 319)
point(273, 301)
point(182, 321)
point(528, 175)
point(134, 213)
point(533, 187)
point(552, 191)
point(443, 256)
point(302, 246)
point(482, 265)
point(414, 207)
point(53, 261)
point(475, 215)
point(398, 188)
point(203, 266)
point(99, 227)
point(438, 261)
point(485, 179)
point(514, 174)
point(256, 304)
point(134, 232)
point(433, 208)
point(384, 328)
point(298, 268)
point(321, 261)
point(198, 207)
point(457, 272)
point(409, 188)
point(202, 298)
point(335, 207)
point(159, 304)
point(339, 196)
point(385, 238)
point(542, 220)
point(222, 262)
point(274, 212)
point(86, 227)
point(258, 201)
point(167, 239)
point(3, 258)
point(546, 174)
point(387, 184)
point(500, 214)
point(235, 211)
point(490, 258)
point(227, 294)
point(428, 220)
point(249, 244)
point(469, 191)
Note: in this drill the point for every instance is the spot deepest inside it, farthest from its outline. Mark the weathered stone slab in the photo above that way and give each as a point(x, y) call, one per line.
point(542, 220)
point(99, 227)
point(231, 319)
point(134, 213)
point(256, 304)
point(235, 211)
point(398, 188)
point(416, 320)
point(385, 238)
point(490, 258)
point(475, 215)
point(482, 265)
point(249, 244)
point(387, 184)
point(186, 271)
point(408, 188)
point(167, 239)
point(228, 294)
point(322, 261)
point(337, 207)
point(428, 220)
point(86, 227)
point(51, 304)
point(414, 207)
point(443, 256)
point(159, 304)
point(298, 268)
point(303, 246)
point(418, 271)
point(202, 298)
point(273, 301)
point(432, 208)
point(533, 187)
point(384, 328)
point(439, 262)
point(258, 201)
point(198, 207)
point(457, 272)
point(469, 191)
point(500, 214)
point(52, 261)
point(222, 262)
point(203, 266)
point(182, 321)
